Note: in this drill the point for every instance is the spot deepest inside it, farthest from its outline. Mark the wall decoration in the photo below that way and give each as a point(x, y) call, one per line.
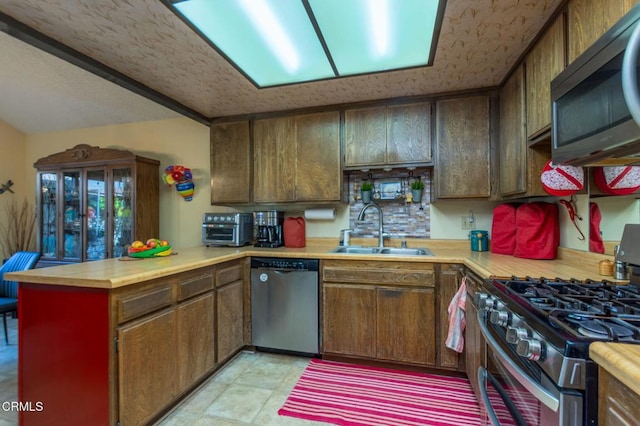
point(180, 176)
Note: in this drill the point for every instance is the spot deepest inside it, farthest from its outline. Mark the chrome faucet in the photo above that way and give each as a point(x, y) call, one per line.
point(380, 230)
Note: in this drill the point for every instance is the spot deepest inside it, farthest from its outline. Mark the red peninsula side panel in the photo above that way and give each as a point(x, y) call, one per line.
point(63, 355)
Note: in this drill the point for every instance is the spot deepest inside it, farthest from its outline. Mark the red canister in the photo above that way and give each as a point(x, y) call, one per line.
point(294, 232)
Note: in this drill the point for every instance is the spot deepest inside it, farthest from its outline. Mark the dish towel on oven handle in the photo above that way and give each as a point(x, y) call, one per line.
point(457, 321)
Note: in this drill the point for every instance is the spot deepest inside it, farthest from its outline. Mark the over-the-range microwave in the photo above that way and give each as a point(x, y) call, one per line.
point(591, 119)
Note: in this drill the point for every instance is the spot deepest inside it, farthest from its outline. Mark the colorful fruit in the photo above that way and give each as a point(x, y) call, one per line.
point(152, 243)
point(137, 244)
point(164, 243)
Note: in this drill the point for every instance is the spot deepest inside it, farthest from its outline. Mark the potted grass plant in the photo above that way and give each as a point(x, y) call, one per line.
point(417, 186)
point(366, 189)
point(18, 228)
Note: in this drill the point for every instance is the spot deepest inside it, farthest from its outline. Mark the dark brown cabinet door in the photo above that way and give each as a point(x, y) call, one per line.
point(365, 136)
point(463, 134)
point(545, 61)
point(196, 353)
point(147, 367)
point(349, 320)
point(230, 312)
point(409, 134)
point(274, 159)
point(230, 163)
point(318, 176)
point(404, 321)
point(513, 144)
point(448, 285)
point(589, 19)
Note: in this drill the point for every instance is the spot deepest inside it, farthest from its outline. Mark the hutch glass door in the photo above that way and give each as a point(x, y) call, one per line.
point(122, 206)
point(96, 215)
point(48, 214)
point(72, 208)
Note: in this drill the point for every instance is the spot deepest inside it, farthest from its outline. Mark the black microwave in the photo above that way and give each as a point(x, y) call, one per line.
point(593, 99)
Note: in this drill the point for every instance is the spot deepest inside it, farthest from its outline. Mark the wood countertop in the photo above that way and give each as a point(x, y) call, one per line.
point(621, 360)
point(114, 273)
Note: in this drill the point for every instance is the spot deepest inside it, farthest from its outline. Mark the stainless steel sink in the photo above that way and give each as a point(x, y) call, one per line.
point(383, 250)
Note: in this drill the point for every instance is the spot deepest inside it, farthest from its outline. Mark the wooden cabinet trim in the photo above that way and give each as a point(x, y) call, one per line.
point(195, 285)
point(229, 274)
point(379, 276)
point(136, 305)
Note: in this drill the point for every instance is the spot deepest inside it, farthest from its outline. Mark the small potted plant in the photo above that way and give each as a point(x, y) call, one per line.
point(366, 190)
point(416, 190)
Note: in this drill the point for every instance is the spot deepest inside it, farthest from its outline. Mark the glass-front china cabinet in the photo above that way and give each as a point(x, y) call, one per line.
point(94, 201)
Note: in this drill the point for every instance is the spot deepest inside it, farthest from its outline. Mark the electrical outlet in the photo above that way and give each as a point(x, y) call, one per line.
point(464, 222)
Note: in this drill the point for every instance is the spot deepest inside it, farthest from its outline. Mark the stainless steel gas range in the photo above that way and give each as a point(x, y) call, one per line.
point(537, 333)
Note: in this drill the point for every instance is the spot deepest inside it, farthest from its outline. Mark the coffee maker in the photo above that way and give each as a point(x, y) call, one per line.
point(269, 228)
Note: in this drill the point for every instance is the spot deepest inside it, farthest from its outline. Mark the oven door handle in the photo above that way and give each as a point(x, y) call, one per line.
point(483, 377)
point(529, 384)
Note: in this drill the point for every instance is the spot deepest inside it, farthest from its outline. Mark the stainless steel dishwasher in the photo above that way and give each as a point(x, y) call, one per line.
point(284, 304)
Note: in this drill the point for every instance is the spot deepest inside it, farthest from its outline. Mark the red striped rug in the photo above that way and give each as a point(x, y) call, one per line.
point(354, 395)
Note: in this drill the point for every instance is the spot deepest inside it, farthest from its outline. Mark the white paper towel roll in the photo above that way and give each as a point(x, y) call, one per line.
point(320, 214)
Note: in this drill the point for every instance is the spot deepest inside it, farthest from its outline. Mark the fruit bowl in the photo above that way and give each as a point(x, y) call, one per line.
point(153, 252)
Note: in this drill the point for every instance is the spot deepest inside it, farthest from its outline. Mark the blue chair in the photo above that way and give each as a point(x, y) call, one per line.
point(20, 261)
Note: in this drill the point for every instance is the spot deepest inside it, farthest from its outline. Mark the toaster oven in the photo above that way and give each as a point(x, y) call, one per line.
point(227, 229)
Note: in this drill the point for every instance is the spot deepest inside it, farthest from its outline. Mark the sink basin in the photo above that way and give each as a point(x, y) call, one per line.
point(356, 250)
point(406, 251)
point(383, 250)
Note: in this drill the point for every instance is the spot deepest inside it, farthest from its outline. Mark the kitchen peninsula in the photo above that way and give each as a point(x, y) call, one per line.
point(122, 341)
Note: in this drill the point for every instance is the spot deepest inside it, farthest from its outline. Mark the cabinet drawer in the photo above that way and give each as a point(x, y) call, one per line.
point(379, 276)
point(229, 274)
point(136, 305)
point(194, 285)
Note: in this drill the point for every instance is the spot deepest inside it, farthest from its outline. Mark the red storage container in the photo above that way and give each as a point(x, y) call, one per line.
point(294, 232)
point(537, 231)
point(503, 229)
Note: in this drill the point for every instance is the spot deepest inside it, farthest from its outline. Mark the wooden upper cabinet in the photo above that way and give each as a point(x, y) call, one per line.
point(409, 134)
point(545, 61)
point(365, 136)
point(318, 174)
point(388, 135)
point(589, 19)
point(274, 159)
point(230, 163)
point(463, 133)
point(513, 145)
point(297, 158)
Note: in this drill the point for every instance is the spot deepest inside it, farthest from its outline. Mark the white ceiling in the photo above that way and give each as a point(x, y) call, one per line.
point(480, 41)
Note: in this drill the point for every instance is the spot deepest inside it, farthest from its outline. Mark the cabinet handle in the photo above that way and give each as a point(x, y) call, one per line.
point(390, 293)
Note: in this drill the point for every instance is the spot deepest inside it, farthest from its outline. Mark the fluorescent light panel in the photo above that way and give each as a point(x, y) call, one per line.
point(274, 42)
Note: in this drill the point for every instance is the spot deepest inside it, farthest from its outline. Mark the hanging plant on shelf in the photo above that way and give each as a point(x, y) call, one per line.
point(416, 190)
point(180, 176)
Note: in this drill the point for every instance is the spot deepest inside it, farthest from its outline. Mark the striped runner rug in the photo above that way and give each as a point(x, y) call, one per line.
point(355, 395)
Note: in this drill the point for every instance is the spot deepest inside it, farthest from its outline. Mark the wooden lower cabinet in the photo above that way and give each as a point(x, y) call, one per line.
point(617, 403)
point(342, 304)
point(401, 333)
point(195, 339)
point(230, 284)
point(474, 350)
point(147, 367)
point(394, 304)
point(448, 282)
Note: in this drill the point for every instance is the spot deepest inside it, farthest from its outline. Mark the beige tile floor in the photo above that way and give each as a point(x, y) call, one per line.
point(249, 390)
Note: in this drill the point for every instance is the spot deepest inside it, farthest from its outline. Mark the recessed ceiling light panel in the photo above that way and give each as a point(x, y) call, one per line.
point(278, 42)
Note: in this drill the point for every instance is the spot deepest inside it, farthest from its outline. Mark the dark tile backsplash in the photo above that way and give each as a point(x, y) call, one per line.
point(401, 218)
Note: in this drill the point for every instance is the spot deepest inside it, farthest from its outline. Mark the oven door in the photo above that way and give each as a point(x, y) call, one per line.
point(519, 393)
point(221, 234)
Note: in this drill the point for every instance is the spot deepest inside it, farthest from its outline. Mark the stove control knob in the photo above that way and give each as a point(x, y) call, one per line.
point(500, 318)
point(515, 334)
point(480, 300)
point(529, 348)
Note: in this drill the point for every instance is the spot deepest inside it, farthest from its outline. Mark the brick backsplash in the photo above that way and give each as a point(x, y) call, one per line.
point(401, 219)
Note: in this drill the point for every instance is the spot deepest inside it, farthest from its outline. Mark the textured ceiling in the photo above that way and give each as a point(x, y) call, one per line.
point(479, 42)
